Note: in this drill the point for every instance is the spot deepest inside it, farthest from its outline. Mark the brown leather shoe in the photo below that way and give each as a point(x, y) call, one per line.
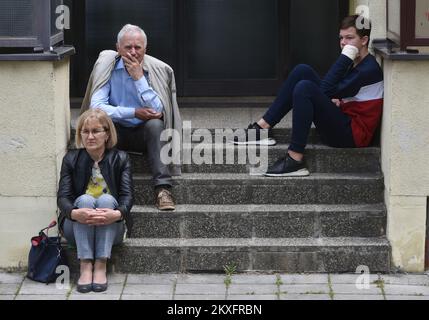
point(164, 200)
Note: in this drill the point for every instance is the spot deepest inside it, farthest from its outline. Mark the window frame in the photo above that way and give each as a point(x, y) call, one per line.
point(407, 36)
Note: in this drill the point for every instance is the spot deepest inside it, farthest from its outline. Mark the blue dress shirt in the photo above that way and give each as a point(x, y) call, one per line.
point(121, 95)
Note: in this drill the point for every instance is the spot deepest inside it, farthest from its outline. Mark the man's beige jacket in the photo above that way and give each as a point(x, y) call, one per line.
point(161, 78)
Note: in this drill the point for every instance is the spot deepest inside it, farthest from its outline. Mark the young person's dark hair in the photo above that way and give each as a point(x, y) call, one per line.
point(360, 23)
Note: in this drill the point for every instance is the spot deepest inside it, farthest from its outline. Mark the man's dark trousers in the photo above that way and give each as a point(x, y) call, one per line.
point(301, 92)
point(146, 138)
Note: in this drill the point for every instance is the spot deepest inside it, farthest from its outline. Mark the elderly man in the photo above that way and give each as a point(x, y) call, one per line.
point(139, 93)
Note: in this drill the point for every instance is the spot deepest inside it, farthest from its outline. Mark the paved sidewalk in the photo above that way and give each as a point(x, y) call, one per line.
point(14, 286)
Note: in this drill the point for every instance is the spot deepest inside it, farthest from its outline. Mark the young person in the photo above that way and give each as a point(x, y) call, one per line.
point(345, 106)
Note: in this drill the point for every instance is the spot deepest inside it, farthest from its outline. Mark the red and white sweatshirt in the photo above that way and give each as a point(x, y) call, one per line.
point(360, 90)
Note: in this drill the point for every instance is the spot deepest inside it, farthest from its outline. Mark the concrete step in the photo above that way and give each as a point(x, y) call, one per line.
point(208, 113)
point(227, 158)
point(261, 102)
point(217, 119)
point(318, 188)
point(281, 135)
point(279, 255)
point(263, 221)
point(211, 114)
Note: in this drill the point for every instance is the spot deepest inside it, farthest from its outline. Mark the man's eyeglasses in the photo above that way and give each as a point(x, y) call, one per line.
point(95, 132)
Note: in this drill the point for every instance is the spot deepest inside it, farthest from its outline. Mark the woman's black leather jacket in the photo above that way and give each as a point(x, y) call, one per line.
point(76, 172)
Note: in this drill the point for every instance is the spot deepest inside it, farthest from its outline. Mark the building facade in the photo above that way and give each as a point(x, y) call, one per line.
point(217, 48)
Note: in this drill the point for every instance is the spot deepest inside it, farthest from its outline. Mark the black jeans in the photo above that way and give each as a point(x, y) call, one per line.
point(146, 137)
point(301, 92)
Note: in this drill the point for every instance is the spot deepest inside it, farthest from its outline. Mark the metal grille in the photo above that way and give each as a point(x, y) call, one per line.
point(16, 18)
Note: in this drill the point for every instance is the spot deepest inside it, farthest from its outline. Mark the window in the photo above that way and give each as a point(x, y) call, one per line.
point(408, 22)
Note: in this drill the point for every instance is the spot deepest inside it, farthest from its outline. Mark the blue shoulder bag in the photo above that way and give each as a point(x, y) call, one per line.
point(46, 254)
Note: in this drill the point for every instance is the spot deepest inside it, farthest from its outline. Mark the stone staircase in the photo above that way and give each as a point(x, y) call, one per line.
point(332, 221)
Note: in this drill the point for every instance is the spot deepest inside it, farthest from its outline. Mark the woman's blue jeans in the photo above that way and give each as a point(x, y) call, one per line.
point(301, 92)
point(94, 242)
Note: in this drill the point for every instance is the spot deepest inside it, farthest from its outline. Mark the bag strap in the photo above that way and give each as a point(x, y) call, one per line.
point(51, 225)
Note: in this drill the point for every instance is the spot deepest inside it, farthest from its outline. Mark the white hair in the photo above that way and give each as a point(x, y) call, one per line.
point(129, 28)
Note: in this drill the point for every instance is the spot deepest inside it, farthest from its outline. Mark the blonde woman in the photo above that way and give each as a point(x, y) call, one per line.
point(95, 197)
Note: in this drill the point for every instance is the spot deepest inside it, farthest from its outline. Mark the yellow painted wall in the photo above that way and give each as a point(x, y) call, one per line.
point(34, 130)
point(405, 150)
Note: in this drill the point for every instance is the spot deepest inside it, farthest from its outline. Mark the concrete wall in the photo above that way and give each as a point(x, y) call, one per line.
point(34, 130)
point(405, 150)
